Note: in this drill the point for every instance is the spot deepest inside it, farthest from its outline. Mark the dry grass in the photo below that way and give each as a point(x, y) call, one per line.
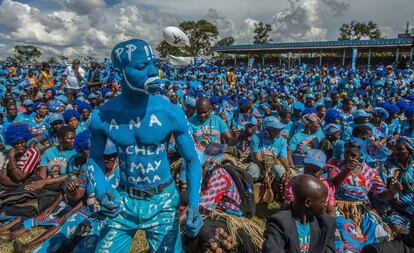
point(139, 244)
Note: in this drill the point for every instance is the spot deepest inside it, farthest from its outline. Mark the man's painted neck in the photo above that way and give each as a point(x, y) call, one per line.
point(134, 97)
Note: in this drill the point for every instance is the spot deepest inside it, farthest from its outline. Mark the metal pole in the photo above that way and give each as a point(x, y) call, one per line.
point(369, 59)
point(300, 58)
point(280, 60)
point(235, 59)
point(397, 55)
point(343, 57)
point(320, 59)
point(411, 55)
point(263, 61)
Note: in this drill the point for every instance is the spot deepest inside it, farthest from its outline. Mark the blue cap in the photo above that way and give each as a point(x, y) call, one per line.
point(55, 117)
point(244, 101)
point(310, 96)
point(381, 112)
point(331, 128)
point(298, 106)
point(273, 122)
point(109, 148)
point(360, 113)
point(27, 102)
point(92, 96)
point(190, 101)
point(315, 157)
point(248, 121)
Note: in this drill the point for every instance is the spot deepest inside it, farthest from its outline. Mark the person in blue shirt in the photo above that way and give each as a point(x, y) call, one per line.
point(268, 145)
point(72, 120)
point(380, 128)
point(49, 137)
point(84, 110)
point(304, 140)
point(55, 161)
point(207, 127)
point(393, 122)
point(39, 122)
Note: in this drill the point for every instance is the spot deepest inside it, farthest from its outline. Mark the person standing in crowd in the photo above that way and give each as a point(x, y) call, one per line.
point(94, 78)
point(72, 80)
point(46, 79)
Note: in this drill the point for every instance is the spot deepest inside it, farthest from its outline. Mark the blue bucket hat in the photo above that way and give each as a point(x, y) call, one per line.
point(53, 117)
point(273, 122)
point(360, 113)
point(315, 157)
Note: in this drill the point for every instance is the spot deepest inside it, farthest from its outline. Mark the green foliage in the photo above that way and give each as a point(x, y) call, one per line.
point(358, 30)
point(261, 33)
point(227, 41)
point(201, 34)
point(165, 49)
point(26, 53)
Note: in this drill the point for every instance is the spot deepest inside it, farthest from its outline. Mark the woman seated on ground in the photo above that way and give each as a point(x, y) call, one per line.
point(399, 167)
point(354, 181)
point(55, 161)
point(21, 161)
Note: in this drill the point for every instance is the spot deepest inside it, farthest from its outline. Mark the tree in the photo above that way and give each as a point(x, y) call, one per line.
point(227, 41)
point(26, 53)
point(52, 60)
point(165, 49)
point(201, 34)
point(358, 30)
point(261, 32)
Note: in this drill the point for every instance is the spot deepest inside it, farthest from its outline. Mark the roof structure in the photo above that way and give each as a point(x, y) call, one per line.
point(316, 46)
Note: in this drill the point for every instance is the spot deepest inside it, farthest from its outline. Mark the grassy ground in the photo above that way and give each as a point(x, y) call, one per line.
point(139, 244)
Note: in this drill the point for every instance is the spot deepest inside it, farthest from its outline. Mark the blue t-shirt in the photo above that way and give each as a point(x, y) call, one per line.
point(301, 142)
point(274, 148)
point(57, 162)
point(208, 131)
point(304, 236)
point(112, 179)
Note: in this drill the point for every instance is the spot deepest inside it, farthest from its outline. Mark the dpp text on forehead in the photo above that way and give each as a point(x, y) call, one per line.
point(123, 53)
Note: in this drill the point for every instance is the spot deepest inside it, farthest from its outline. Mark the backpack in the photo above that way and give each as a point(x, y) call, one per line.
point(244, 183)
point(27, 204)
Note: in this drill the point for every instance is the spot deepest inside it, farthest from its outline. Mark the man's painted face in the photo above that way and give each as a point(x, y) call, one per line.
point(135, 62)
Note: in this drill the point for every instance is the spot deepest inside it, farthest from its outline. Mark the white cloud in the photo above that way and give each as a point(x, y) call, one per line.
point(300, 22)
point(93, 27)
point(83, 7)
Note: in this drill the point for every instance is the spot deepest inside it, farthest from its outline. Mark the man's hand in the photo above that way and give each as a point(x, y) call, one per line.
point(35, 185)
point(194, 222)
point(110, 206)
point(72, 186)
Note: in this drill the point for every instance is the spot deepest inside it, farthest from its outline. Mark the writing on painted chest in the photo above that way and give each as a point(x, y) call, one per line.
point(143, 150)
point(136, 123)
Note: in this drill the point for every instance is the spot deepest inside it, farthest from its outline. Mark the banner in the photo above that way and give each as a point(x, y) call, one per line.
point(251, 61)
point(180, 61)
point(354, 57)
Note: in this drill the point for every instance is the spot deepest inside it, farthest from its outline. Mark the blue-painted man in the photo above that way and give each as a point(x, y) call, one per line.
point(140, 125)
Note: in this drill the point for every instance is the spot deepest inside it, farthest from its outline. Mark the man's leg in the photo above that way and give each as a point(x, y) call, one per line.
point(161, 221)
point(69, 95)
point(254, 171)
point(117, 233)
